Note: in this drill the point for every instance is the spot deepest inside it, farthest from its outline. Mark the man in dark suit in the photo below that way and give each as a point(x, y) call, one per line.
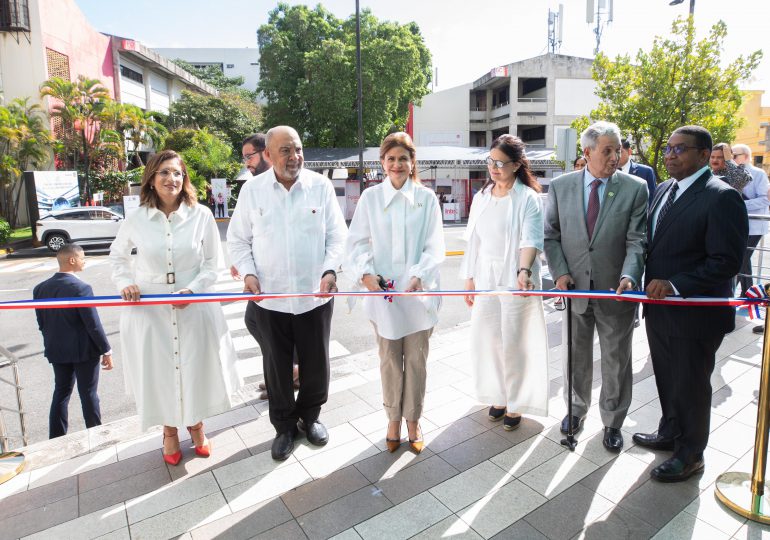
point(629, 166)
point(74, 341)
point(696, 233)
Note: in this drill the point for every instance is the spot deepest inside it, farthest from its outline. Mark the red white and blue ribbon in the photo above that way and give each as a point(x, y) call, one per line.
point(756, 292)
point(751, 302)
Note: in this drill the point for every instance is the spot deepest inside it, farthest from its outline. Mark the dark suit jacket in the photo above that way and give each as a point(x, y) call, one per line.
point(699, 247)
point(70, 335)
point(646, 173)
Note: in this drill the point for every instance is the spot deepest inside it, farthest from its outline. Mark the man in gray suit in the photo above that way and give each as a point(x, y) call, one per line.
point(595, 222)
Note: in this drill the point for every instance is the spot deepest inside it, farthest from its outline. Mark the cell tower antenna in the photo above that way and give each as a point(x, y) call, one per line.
point(555, 29)
point(602, 12)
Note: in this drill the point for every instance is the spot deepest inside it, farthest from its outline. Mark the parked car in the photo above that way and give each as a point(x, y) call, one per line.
point(82, 225)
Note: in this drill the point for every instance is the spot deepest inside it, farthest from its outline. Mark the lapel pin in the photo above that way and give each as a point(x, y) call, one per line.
point(610, 194)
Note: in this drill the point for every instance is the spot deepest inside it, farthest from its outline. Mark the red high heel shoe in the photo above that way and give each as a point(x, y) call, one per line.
point(203, 450)
point(176, 457)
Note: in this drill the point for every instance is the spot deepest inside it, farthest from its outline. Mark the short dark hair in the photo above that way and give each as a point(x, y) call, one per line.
point(257, 141)
point(68, 250)
point(625, 143)
point(702, 136)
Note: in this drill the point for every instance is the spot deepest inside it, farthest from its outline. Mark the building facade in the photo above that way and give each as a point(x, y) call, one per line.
point(38, 45)
point(756, 128)
point(233, 62)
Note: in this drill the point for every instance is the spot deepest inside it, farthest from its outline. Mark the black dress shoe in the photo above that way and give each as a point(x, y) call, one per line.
point(496, 414)
point(676, 470)
point(577, 424)
point(283, 445)
point(613, 439)
point(316, 432)
point(511, 422)
point(653, 441)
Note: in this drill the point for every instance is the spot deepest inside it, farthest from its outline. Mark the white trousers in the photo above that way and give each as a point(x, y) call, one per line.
point(509, 349)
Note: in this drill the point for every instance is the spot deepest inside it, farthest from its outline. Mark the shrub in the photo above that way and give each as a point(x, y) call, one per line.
point(5, 232)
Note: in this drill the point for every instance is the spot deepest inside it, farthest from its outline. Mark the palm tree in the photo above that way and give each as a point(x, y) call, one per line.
point(25, 143)
point(80, 106)
point(143, 128)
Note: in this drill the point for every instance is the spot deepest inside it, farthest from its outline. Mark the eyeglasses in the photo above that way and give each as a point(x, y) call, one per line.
point(496, 163)
point(247, 157)
point(738, 155)
point(165, 173)
point(677, 149)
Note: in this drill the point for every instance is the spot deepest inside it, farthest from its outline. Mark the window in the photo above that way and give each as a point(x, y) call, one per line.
point(130, 74)
point(339, 191)
point(74, 215)
point(14, 15)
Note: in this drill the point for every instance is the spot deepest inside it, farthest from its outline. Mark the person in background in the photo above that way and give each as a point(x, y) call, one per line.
point(755, 197)
point(396, 241)
point(74, 341)
point(723, 166)
point(180, 359)
point(508, 335)
point(629, 166)
point(579, 164)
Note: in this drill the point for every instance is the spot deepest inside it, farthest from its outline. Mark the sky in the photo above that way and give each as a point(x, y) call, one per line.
point(466, 38)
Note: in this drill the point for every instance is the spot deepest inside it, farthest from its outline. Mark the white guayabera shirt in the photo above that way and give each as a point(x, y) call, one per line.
point(287, 238)
point(398, 234)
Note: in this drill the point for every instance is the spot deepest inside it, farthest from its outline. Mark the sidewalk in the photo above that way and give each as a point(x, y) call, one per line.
point(474, 480)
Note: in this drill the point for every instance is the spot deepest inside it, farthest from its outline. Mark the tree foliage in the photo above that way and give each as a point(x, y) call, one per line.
point(308, 75)
point(229, 115)
point(679, 81)
point(216, 78)
point(206, 156)
point(25, 144)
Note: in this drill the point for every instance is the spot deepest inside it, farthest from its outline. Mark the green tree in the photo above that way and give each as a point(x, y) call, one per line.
point(81, 106)
point(206, 156)
point(25, 144)
point(216, 78)
point(308, 76)
point(679, 81)
point(229, 115)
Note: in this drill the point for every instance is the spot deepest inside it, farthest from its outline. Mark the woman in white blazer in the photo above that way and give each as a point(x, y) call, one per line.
point(508, 335)
point(396, 241)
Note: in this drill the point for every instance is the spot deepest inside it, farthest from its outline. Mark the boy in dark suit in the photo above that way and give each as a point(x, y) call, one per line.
point(74, 341)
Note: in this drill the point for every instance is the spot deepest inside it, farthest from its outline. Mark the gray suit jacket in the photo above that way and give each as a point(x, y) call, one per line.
point(617, 246)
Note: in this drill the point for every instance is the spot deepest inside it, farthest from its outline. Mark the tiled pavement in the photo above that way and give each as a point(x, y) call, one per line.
point(474, 480)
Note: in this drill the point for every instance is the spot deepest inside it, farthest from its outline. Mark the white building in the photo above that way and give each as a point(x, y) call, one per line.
point(233, 62)
point(533, 99)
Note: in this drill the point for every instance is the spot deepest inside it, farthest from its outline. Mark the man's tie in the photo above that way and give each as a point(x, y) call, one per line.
point(668, 205)
point(593, 207)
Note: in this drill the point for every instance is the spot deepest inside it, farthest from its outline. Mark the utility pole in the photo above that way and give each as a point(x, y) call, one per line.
point(360, 103)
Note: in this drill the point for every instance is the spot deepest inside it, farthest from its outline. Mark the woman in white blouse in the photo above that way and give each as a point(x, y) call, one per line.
point(180, 360)
point(508, 336)
point(396, 242)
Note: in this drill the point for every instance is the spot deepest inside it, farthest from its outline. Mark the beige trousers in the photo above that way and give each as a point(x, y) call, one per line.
point(403, 372)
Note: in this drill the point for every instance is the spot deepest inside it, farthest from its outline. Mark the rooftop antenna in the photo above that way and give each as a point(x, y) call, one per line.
point(555, 29)
point(603, 15)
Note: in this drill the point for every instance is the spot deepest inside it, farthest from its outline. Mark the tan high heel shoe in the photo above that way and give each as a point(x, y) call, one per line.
point(393, 444)
point(417, 444)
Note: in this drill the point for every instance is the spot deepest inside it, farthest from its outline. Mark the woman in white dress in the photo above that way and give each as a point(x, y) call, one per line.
point(180, 360)
point(396, 241)
point(508, 335)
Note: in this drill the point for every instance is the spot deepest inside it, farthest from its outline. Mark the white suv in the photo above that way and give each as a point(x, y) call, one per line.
point(85, 224)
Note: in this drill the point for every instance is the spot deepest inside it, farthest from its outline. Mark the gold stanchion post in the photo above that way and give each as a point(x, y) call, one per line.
point(742, 493)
